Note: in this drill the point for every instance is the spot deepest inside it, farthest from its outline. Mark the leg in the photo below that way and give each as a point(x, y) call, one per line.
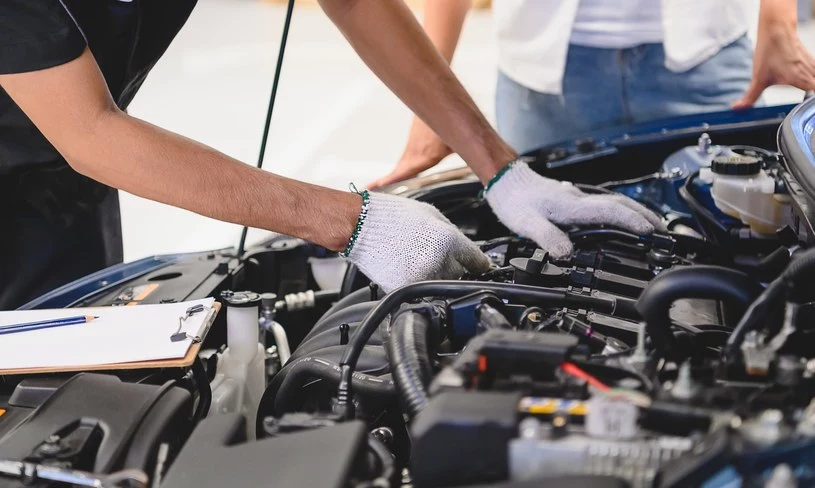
point(655, 92)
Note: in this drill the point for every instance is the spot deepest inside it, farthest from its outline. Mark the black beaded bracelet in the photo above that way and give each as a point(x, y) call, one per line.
point(363, 214)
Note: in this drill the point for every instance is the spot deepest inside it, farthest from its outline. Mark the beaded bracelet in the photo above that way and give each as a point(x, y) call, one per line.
point(363, 214)
point(494, 179)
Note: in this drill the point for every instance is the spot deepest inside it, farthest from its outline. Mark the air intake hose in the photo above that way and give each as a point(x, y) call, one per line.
point(801, 268)
point(409, 357)
point(701, 282)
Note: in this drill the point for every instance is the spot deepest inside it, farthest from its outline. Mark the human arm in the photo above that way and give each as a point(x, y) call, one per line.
point(780, 57)
point(389, 39)
point(72, 107)
point(443, 20)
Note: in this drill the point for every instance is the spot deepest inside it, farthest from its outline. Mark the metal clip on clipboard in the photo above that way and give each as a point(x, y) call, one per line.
point(179, 335)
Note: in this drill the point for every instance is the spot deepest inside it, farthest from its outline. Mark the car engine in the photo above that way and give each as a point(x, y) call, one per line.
point(677, 359)
point(683, 358)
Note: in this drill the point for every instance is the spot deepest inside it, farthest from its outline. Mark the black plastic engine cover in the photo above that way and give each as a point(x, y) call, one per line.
point(462, 437)
point(101, 425)
point(217, 455)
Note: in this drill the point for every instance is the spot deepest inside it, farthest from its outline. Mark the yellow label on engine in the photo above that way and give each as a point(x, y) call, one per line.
point(549, 406)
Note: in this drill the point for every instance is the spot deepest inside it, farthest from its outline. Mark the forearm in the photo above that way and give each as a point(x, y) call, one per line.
point(135, 156)
point(72, 107)
point(391, 42)
point(778, 15)
point(443, 21)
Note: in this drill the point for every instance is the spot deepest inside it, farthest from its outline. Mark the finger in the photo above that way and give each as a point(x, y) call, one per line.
point(390, 178)
point(452, 270)
point(596, 210)
point(471, 257)
point(549, 238)
point(750, 96)
point(650, 216)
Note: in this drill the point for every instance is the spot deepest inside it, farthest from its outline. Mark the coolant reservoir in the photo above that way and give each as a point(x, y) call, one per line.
point(743, 190)
point(239, 380)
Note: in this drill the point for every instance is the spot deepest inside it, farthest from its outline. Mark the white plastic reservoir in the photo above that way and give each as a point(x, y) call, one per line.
point(743, 190)
point(239, 379)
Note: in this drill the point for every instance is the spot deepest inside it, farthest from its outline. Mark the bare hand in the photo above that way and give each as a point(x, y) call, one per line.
point(780, 59)
point(424, 150)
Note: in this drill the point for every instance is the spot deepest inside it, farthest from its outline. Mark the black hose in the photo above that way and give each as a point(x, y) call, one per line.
point(490, 318)
point(387, 465)
point(702, 282)
point(769, 267)
point(702, 214)
point(604, 234)
point(524, 294)
point(277, 398)
point(199, 374)
point(409, 358)
point(802, 265)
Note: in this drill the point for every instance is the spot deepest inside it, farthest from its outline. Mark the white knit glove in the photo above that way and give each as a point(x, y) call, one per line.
point(402, 241)
point(530, 205)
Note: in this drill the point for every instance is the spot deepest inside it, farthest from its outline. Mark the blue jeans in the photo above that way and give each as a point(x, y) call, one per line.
point(607, 88)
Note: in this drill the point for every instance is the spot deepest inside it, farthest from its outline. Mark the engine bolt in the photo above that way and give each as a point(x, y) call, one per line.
point(383, 435)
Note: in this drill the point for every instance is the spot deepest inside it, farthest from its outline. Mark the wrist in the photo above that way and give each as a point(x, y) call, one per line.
point(360, 221)
point(335, 233)
point(499, 175)
point(779, 18)
point(494, 160)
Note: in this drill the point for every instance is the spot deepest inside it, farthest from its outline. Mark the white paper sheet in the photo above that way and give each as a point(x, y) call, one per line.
point(120, 335)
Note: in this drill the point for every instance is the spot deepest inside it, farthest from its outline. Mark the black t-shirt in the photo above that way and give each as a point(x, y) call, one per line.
point(125, 37)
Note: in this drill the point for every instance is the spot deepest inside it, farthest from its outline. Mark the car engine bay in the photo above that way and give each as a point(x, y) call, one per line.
point(684, 358)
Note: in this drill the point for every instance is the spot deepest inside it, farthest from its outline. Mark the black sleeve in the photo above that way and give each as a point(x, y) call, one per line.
point(37, 34)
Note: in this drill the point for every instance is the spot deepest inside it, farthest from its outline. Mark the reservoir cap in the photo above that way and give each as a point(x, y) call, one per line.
point(736, 164)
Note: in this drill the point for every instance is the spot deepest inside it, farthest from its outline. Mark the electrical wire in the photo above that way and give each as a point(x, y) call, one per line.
point(630, 181)
point(264, 140)
point(573, 370)
point(712, 228)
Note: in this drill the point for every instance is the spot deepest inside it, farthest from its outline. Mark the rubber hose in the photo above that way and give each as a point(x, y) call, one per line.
point(702, 282)
point(769, 267)
point(490, 318)
point(410, 360)
point(276, 399)
point(524, 294)
point(802, 265)
point(387, 465)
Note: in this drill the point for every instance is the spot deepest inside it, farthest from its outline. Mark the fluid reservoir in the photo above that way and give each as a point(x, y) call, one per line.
point(743, 190)
point(240, 377)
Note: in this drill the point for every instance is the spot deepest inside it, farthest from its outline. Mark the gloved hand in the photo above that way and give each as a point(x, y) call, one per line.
point(402, 241)
point(530, 205)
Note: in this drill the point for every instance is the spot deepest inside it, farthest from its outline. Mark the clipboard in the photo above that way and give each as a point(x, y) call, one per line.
point(184, 362)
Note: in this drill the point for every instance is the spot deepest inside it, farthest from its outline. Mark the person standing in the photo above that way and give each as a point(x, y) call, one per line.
point(569, 67)
point(68, 69)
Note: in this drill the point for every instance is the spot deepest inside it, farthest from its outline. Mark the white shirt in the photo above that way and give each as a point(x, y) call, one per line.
point(617, 24)
point(534, 35)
